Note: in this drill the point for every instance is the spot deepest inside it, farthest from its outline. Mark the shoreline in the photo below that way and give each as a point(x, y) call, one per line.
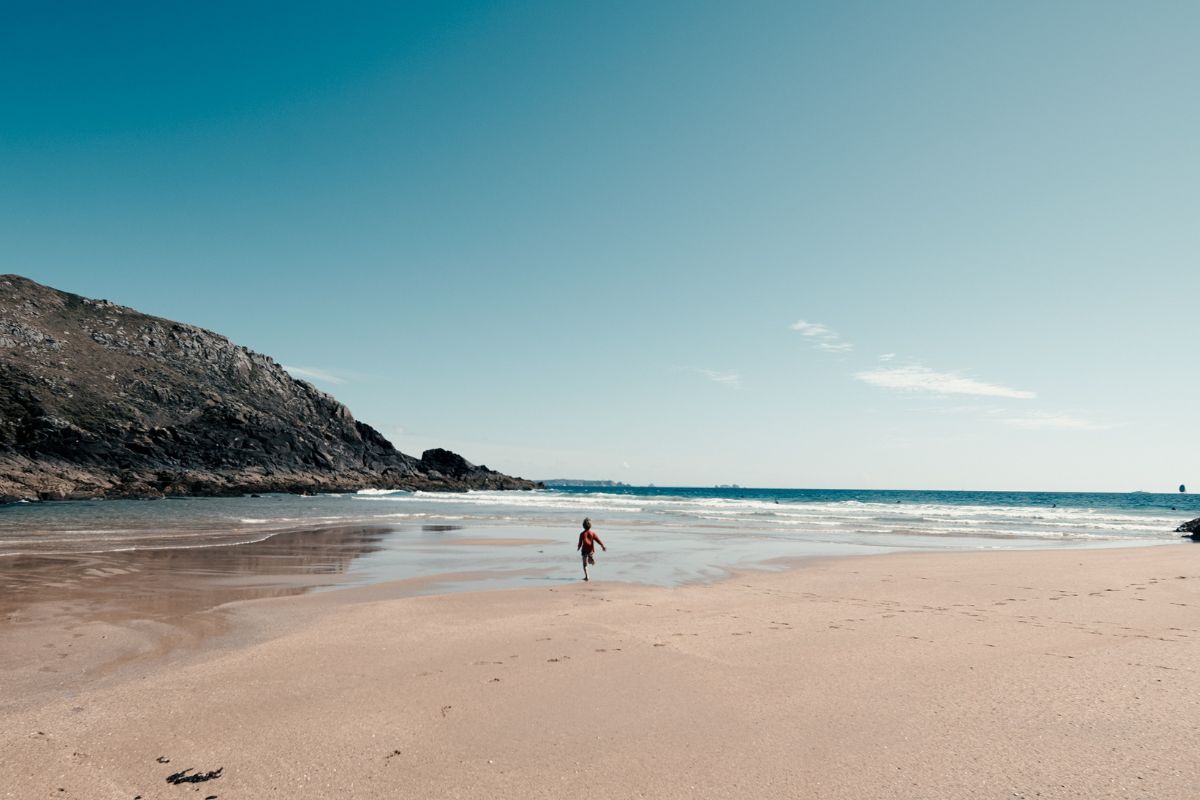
point(154, 600)
point(969, 674)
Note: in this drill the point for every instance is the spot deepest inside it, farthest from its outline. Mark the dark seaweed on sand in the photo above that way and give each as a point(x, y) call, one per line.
point(199, 777)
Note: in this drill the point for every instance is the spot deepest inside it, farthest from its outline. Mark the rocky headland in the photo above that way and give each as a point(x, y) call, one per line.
point(100, 400)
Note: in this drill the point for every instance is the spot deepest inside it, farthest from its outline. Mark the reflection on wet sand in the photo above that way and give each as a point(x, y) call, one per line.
point(163, 584)
point(68, 618)
point(145, 602)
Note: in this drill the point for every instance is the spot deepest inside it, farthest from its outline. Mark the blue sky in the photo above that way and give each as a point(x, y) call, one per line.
point(895, 245)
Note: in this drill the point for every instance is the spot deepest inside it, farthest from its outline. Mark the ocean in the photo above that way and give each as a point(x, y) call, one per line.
point(172, 553)
point(893, 519)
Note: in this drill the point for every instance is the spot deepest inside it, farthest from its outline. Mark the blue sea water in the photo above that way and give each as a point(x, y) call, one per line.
point(926, 519)
point(115, 552)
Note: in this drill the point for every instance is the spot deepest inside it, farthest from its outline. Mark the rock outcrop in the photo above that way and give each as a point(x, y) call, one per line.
point(1192, 528)
point(99, 400)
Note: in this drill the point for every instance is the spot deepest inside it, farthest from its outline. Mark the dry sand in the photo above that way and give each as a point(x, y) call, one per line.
point(1054, 674)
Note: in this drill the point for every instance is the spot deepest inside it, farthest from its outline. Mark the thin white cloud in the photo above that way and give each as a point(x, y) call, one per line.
point(1030, 420)
point(923, 379)
point(824, 337)
point(313, 374)
point(811, 328)
point(1048, 421)
point(887, 356)
point(724, 378)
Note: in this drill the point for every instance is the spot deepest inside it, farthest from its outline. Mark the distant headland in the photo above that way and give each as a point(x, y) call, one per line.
point(99, 400)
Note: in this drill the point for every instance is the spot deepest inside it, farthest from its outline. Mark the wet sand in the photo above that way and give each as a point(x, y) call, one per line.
point(1059, 674)
point(117, 607)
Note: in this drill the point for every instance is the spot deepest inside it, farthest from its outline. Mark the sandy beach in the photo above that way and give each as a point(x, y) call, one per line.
point(1056, 674)
point(859, 331)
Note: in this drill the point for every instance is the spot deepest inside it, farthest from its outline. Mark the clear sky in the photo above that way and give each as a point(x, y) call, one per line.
point(846, 244)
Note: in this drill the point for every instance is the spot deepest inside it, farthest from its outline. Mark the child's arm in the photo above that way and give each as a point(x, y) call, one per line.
point(580, 545)
point(597, 540)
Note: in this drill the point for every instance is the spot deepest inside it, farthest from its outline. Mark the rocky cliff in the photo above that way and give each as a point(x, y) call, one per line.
point(99, 400)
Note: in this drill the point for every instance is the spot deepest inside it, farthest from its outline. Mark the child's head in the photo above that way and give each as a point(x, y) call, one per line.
point(587, 524)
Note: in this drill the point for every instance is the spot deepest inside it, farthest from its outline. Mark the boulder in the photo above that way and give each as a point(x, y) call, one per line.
point(1190, 528)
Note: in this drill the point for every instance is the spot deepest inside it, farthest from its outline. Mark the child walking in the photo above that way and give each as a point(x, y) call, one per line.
point(587, 545)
